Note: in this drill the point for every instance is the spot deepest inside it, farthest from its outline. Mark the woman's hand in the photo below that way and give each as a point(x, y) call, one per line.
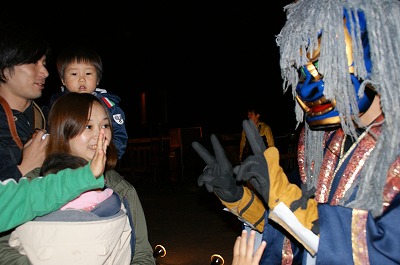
point(98, 162)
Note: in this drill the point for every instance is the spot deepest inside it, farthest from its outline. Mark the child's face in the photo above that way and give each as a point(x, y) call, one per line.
point(80, 77)
point(84, 145)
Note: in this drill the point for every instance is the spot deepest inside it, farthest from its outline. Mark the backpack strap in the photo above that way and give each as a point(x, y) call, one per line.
point(128, 212)
point(11, 122)
point(108, 207)
point(38, 117)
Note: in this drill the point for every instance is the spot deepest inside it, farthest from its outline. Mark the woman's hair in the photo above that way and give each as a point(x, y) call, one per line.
point(68, 118)
point(79, 54)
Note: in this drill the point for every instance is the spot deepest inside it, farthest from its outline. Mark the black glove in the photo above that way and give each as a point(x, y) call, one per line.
point(254, 168)
point(218, 174)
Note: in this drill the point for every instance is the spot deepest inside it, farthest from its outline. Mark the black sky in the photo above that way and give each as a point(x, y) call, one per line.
point(200, 63)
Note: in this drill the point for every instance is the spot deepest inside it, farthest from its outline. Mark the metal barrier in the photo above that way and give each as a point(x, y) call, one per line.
point(153, 159)
point(145, 158)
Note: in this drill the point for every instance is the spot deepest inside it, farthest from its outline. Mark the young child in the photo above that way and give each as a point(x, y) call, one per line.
point(88, 200)
point(81, 69)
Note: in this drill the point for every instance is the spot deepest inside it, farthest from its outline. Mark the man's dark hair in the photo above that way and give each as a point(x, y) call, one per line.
point(20, 44)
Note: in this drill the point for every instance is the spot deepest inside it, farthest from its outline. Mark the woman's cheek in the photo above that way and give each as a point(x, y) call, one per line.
point(108, 135)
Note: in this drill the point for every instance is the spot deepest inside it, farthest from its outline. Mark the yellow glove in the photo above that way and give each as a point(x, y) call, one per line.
point(249, 209)
point(263, 172)
point(281, 190)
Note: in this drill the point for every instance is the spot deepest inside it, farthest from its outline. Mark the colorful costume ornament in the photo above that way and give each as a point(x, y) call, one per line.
point(341, 59)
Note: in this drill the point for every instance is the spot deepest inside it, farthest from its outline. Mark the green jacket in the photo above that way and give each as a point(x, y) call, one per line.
point(143, 250)
point(16, 199)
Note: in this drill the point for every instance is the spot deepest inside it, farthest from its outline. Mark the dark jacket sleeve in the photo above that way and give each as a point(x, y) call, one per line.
point(276, 238)
point(117, 116)
point(120, 134)
point(375, 238)
point(9, 163)
point(10, 154)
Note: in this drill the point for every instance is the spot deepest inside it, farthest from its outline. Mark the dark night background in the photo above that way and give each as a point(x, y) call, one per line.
point(199, 63)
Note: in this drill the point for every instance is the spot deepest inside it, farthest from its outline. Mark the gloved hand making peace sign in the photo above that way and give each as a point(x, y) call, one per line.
point(265, 174)
point(254, 169)
point(218, 174)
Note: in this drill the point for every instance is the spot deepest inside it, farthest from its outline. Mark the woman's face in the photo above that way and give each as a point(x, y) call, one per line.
point(84, 145)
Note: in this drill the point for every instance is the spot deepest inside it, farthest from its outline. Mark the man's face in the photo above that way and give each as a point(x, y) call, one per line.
point(27, 80)
point(252, 116)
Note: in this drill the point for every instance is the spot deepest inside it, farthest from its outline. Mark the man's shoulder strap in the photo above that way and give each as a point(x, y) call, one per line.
point(38, 116)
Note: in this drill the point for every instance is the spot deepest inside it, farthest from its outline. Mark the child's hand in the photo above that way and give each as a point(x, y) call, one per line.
point(98, 162)
point(244, 248)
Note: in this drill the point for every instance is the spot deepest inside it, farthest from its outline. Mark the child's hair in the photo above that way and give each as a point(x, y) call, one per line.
point(79, 54)
point(59, 161)
point(68, 118)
